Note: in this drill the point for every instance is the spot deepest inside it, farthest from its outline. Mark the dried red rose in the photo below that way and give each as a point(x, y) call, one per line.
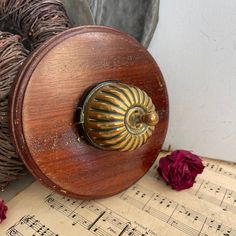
point(3, 211)
point(180, 168)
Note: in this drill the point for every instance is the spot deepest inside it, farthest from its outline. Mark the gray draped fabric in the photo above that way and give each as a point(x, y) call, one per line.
point(135, 17)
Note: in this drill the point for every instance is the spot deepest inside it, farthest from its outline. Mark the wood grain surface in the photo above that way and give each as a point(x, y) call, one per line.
point(43, 106)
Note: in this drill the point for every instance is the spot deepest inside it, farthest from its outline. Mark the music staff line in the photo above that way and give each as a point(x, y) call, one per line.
point(206, 190)
point(228, 163)
point(176, 215)
point(95, 217)
point(34, 225)
point(220, 170)
point(215, 194)
point(203, 225)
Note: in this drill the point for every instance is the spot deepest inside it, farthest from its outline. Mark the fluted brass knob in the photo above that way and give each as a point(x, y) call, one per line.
point(117, 116)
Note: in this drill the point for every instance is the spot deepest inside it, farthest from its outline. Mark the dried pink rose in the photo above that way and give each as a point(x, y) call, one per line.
point(3, 211)
point(180, 168)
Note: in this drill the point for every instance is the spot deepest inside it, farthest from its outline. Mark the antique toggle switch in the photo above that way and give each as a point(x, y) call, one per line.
point(124, 112)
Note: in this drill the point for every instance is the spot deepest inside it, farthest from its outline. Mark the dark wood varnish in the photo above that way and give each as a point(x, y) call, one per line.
point(44, 101)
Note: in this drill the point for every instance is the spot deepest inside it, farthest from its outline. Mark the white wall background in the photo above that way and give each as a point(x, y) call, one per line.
point(195, 47)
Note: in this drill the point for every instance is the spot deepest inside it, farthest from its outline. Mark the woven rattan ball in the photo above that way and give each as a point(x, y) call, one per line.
point(12, 55)
point(31, 23)
point(36, 20)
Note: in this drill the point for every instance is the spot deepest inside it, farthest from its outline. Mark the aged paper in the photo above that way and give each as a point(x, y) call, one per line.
point(148, 208)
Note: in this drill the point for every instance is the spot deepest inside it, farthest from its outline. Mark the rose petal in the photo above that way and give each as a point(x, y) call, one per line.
point(180, 168)
point(3, 211)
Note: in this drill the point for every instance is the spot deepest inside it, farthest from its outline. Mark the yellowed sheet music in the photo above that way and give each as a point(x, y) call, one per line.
point(148, 208)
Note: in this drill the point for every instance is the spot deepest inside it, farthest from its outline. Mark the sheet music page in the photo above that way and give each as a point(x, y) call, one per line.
point(148, 208)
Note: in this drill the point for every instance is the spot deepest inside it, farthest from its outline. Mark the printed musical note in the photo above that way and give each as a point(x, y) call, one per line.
point(212, 227)
point(176, 215)
point(157, 209)
point(215, 194)
point(203, 189)
point(95, 217)
point(30, 225)
point(137, 197)
point(220, 170)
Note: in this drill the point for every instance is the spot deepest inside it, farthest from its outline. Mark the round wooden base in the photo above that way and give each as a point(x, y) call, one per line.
point(45, 98)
